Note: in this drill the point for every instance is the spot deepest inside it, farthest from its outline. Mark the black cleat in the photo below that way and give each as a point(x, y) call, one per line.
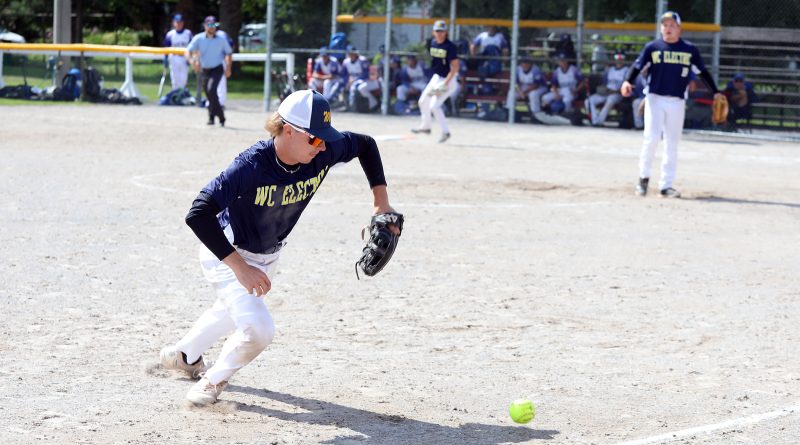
point(421, 130)
point(641, 188)
point(670, 193)
point(445, 136)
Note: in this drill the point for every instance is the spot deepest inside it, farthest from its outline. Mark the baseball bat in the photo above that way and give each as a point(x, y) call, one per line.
point(163, 78)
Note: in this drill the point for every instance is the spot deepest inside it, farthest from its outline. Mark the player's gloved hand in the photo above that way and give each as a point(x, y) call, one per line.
point(719, 109)
point(384, 233)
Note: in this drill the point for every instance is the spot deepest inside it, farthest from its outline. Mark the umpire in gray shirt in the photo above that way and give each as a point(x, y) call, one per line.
point(207, 51)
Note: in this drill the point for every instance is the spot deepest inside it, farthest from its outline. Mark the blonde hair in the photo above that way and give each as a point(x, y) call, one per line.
point(274, 125)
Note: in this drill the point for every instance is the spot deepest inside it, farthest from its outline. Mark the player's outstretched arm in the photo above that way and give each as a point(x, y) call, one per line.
point(380, 202)
point(370, 159)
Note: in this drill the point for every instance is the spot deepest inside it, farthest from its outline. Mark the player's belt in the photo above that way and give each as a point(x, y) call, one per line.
point(274, 249)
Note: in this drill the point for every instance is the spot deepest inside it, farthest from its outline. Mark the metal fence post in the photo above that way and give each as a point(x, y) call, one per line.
point(385, 60)
point(512, 81)
point(62, 33)
point(2, 82)
point(268, 59)
point(334, 13)
point(452, 30)
point(717, 37)
point(661, 8)
point(579, 36)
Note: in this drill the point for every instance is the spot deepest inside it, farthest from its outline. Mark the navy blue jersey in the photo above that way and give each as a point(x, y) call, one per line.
point(668, 66)
point(442, 54)
point(261, 201)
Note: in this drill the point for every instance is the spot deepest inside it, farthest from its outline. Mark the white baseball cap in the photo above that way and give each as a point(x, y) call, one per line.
point(310, 111)
point(671, 15)
point(440, 25)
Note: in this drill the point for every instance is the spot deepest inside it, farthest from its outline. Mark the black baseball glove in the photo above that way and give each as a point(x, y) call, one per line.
point(381, 243)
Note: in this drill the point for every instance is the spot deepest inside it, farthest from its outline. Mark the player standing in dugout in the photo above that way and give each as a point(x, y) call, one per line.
point(243, 216)
point(668, 62)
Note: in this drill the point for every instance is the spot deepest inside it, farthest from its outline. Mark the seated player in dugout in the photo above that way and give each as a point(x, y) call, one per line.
point(326, 75)
point(566, 84)
point(607, 94)
point(243, 217)
point(742, 96)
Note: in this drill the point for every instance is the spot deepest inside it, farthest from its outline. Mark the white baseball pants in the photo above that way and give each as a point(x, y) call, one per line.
point(402, 90)
point(662, 115)
point(609, 101)
point(638, 120)
point(534, 98)
point(566, 96)
point(178, 71)
point(222, 90)
point(365, 89)
point(235, 310)
point(429, 103)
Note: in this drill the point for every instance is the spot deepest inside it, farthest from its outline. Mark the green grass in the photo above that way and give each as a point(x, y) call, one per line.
point(247, 83)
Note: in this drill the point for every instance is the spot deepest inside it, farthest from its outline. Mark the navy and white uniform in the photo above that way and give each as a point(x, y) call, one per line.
point(565, 82)
point(536, 85)
point(668, 68)
point(356, 73)
point(431, 100)
point(256, 202)
point(178, 66)
point(330, 87)
point(612, 79)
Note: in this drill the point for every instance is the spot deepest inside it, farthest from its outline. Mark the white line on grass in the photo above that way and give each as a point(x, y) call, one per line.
point(728, 424)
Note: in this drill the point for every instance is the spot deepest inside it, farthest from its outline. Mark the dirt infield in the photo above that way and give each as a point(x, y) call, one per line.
point(527, 269)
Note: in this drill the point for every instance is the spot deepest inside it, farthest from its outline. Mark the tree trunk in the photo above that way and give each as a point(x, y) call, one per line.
point(230, 17)
point(191, 20)
point(77, 30)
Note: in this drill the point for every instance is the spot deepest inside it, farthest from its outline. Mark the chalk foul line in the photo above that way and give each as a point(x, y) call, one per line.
point(728, 424)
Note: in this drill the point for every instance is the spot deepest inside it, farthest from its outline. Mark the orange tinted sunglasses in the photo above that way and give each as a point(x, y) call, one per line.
point(312, 140)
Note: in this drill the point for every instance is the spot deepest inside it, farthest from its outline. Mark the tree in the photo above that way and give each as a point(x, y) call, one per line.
point(230, 17)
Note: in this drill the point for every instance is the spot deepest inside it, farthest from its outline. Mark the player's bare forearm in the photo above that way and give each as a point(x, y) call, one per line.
point(251, 278)
point(228, 65)
point(455, 64)
point(380, 200)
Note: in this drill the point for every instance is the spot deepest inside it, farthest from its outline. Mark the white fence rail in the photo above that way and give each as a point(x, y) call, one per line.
point(128, 87)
